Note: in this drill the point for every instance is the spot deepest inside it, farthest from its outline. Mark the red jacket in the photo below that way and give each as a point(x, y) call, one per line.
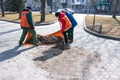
point(65, 22)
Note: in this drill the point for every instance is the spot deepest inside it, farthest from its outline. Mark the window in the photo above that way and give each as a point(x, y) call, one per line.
point(78, 0)
point(63, 1)
point(73, 1)
point(82, 1)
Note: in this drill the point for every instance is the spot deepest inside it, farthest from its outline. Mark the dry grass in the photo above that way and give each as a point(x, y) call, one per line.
point(110, 26)
point(11, 17)
point(36, 17)
point(48, 17)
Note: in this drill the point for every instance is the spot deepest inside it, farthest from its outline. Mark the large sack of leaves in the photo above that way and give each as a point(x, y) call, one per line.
point(52, 38)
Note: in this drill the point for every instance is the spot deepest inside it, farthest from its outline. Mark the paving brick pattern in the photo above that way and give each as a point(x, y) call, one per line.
point(89, 58)
point(68, 65)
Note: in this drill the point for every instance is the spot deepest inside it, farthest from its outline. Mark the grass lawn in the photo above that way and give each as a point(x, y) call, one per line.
point(36, 17)
point(110, 26)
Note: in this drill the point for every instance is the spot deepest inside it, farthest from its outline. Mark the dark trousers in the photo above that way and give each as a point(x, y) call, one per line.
point(65, 37)
point(24, 33)
point(70, 33)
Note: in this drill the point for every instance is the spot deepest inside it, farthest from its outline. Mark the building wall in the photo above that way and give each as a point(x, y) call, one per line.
point(78, 5)
point(34, 4)
point(56, 5)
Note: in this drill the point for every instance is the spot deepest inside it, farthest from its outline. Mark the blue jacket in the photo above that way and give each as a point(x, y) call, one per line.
point(71, 18)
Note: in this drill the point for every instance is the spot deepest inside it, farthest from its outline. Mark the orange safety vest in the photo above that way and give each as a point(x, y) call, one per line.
point(24, 21)
point(68, 23)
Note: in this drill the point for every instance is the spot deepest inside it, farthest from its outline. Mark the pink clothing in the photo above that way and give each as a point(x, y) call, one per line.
point(66, 24)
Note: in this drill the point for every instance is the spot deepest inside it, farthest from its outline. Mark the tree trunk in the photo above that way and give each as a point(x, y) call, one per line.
point(51, 7)
point(2, 7)
point(49, 3)
point(21, 7)
point(43, 11)
point(115, 9)
point(94, 5)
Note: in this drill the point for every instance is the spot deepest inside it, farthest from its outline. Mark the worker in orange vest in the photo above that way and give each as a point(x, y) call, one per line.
point(27, 25)
point(73, 22)
point(65, 25)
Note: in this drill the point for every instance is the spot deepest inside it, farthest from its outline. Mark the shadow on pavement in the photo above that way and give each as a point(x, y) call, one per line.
point(9, 31)
point(52, 52)
point(11, 53)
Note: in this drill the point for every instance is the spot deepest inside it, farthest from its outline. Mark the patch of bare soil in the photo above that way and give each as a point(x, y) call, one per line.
point(69, 64)
point(48, 39)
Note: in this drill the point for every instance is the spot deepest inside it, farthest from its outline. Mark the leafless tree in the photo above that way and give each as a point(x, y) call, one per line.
point(49, 2)
point(42, 10)
point(21, 6)
point(94, 3)
point(115, 9)
point(2, 8)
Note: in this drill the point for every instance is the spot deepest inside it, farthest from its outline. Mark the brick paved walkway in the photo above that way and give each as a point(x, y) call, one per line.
point(89, 58)
point(71, 64)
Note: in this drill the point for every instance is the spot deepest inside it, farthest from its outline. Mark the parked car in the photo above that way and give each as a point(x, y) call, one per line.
point(66, 9)
point(70, 10)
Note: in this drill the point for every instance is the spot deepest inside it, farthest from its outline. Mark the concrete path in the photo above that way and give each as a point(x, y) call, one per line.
point(90, 57)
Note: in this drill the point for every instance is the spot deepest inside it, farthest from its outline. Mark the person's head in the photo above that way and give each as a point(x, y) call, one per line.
point(28, 7)
point(57, 14)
